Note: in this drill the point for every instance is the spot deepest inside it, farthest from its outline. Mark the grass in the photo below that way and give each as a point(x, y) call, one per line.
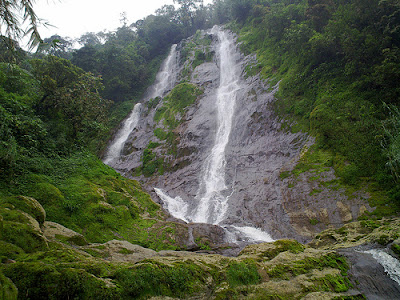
point(83, 194)
point(304, 266)
point(242, 273)
point(282, 246)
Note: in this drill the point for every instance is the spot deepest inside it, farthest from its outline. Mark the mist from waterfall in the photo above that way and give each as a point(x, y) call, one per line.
point(164, 82)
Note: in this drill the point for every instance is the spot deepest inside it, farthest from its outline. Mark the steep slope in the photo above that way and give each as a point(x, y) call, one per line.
point(176, 136)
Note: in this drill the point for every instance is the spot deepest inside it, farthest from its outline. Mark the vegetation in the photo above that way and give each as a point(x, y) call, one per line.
point(168, 116)
point(336, 63)
point(338, 67)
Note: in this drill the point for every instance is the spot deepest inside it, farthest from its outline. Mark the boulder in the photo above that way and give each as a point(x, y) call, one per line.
point(56, 231)
point(120, 251)
point(29, 205)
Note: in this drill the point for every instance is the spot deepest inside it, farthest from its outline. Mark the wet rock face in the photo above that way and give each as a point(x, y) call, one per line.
point(368, 276)
point(259, 150)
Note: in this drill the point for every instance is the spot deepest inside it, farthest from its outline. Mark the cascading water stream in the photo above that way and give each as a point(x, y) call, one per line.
point(388, 262)
point(165, 80)
point(212, 203)
point(116, 147)
point(213, 194)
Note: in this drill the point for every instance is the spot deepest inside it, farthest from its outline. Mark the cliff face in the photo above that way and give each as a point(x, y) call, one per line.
point(259, 157)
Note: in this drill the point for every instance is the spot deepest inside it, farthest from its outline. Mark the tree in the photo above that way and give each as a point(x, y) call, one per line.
point(90, 39)
point(11, 24)
point(56, 46)
point(11, 54)
point(71, 102)
point(187, 11)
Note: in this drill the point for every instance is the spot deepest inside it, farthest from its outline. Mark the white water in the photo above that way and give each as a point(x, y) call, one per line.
point(212, 203)
point(165, 80)
point(213, 194)
point(116, 147)
point(254, 234)
point(388, 262)
point(175, 206)
point(166, 77)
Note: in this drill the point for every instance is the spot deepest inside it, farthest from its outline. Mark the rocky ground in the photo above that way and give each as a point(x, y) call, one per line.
point(38, 255)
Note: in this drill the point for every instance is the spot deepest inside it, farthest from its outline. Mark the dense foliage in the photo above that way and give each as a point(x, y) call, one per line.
point(338, 67)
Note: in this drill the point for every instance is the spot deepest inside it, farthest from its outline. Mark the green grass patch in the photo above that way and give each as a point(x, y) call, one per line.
point(153, 279)
point(296, 268)
point(242, 273)
point(282, 246)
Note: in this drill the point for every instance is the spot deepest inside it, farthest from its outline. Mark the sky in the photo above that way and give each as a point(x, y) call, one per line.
point(72, 18)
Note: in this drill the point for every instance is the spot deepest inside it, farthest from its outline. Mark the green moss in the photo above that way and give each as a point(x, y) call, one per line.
point(284, 174)
point(43, 281)
point(29, 205)
point(40, 188)
point(384, 239)
point(8, 291)
point(160, 134)
point(242, 273)
point(282, 246)
point(315, 191)
point(8, 250)
point(23, 236)
point(357, 297)
point(332, 283)
point(150, 279)
point(150, 162)
point(396, 248)
point(152, 103)
point(315, 161)
point(304, 266)
point(203, 244)
point(342, 230)
point(125, 251)
point(181, 96)
point(370, 224)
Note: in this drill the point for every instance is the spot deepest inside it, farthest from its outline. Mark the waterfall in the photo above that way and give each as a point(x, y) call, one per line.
point(116, 147)
point(213, 194)
point(388, 262)
point(164, 82)
point(212, 201)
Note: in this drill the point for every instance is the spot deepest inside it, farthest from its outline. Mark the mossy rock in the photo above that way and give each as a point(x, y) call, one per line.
point(271, 250)
point(9, 251)
point(8, 290)
point(1, 225)
point(43, 281)
point(39, 187)
point(27, 204)
point(396, 247)
point(24, 236)
point(53, 230)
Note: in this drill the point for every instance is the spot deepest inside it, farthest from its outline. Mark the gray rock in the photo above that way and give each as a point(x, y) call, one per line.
point(369, 277)
point(258, 151)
